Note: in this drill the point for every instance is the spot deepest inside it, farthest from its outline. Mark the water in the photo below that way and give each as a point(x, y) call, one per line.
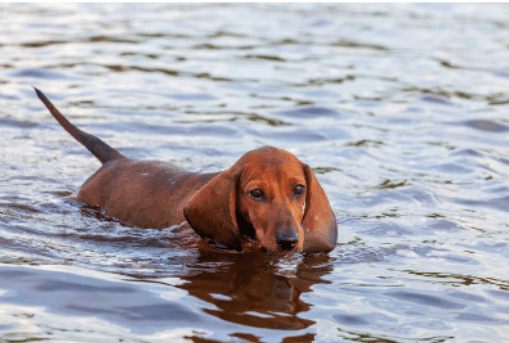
point(401, 110)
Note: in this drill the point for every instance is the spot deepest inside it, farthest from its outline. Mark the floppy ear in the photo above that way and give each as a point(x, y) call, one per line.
point(320, 228)
point(211, 211)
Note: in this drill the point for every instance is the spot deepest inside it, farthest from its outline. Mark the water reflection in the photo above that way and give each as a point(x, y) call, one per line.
point(249, 289)
point(255, 290)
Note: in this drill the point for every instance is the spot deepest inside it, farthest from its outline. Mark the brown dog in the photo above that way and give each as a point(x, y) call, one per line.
point(268, 197)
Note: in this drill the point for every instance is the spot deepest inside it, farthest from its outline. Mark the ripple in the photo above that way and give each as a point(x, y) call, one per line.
point(266, 57)
point(358, 45)
point(311, 112)
point(425, 300)
point(119, 302)
point(498, 203)
point(22, 124)
point(486, 125)
point(39, 73)
point(444, 225)
point(289, 135)
point(168, 130)
point(349, 319)
point(436, 100)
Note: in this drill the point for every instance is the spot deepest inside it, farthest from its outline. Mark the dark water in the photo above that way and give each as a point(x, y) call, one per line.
point(401, 110)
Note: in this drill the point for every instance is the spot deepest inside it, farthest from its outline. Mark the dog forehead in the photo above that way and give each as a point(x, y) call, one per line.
point(271, 163)
point(270, 157)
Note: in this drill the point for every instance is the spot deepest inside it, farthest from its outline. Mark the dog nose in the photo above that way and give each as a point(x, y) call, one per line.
point(287, 240)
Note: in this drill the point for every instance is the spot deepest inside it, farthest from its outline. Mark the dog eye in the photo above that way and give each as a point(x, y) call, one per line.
point(299, 189)
point(256, 194)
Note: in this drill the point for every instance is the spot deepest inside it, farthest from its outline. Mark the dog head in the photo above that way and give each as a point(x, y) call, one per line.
point(268, 196)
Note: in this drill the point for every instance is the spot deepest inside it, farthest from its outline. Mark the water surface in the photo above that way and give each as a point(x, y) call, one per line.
point(400, 109)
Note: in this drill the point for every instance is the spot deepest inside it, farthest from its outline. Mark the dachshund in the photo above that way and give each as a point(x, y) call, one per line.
point(268, 199)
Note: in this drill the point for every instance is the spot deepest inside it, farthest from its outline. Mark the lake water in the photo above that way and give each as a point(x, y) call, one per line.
point(402, 110)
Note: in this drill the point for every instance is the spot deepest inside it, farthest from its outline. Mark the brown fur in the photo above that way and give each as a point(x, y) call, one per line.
point(293, 213)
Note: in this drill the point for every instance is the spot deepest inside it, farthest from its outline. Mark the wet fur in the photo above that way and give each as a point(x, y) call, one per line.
point(219, 207)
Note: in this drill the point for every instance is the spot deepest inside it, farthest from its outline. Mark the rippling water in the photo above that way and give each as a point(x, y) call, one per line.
point(401, 110)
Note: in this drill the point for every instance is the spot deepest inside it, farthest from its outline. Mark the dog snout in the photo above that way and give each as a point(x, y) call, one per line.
point(287, 240)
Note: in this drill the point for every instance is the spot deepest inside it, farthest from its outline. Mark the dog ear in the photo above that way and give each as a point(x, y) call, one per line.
point(211, 212)
point(319, 223)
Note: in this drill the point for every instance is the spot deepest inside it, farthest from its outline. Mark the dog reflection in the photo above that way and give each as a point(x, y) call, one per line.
point(251, 290)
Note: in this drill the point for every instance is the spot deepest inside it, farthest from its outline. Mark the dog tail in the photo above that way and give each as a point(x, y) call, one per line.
point(96, 146)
